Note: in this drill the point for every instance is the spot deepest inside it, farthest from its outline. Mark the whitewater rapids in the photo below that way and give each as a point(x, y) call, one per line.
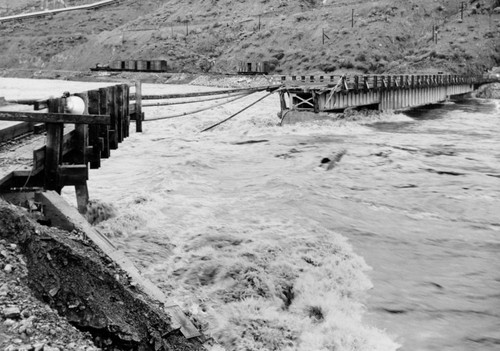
point(268, 249)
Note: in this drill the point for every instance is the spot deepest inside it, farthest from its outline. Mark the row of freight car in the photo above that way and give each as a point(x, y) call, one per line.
point(262, 67)
point(134, 65)
point(161, 66)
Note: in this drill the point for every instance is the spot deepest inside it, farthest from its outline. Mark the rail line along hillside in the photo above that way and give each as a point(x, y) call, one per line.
point(47, 12)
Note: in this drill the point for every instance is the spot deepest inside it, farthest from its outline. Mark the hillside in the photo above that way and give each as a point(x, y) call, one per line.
point(194, 36)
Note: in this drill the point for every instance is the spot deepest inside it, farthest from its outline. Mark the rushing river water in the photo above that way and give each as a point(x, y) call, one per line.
point(417, 195)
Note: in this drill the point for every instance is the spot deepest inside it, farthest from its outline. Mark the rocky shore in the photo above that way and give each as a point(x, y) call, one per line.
point(26, 323)
point(489, 91)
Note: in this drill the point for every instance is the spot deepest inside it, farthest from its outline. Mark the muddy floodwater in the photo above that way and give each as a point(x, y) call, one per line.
point(415, 196)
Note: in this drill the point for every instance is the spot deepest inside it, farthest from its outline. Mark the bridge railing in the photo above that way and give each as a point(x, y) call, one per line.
point(369, 82)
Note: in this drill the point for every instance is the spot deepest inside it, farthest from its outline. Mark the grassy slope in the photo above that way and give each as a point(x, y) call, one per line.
point(388, 36)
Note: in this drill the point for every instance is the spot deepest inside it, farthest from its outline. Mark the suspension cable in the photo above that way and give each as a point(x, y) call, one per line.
point(198, 110)
point(237, 113)
point(192, 101)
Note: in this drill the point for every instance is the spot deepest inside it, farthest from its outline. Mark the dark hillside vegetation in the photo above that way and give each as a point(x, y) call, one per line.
point(296, 36)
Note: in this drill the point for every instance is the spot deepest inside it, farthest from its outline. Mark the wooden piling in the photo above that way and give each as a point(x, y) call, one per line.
point(94, 104)
point(83, 154)
point(282, 101)
point(82, 135)
point(112, 107)
point(118, 102)
point(53, 152)
point(104, 130)
point(126, 111)
point(138, 106)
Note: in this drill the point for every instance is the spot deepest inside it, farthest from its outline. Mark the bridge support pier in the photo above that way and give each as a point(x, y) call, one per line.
point(387, 92)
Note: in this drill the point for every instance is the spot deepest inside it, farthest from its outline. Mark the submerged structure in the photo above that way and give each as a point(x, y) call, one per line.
point(381, 92)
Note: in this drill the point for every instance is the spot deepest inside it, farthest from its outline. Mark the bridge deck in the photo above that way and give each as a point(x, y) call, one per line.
point(383, 92)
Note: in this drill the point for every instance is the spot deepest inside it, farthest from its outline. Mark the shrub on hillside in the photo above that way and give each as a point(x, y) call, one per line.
point(345, 63)
point(361, 57)
point(327, 67)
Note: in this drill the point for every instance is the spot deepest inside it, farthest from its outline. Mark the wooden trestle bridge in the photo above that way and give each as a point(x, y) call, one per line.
point(319, 94)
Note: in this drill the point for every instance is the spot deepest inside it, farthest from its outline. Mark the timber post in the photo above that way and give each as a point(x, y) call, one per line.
point(138, 106)
point(112, 106)
point(315, 102)
point(126, 111)
point(53, 151)
point(81, 158)
point(103, 130)
point(119, 112)
point(95, 160)
point(282, 101)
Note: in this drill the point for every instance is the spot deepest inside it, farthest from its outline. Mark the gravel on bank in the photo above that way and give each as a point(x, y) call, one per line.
point(26, 323)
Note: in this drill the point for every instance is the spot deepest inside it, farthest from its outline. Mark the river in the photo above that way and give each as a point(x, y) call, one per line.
point(267, 247)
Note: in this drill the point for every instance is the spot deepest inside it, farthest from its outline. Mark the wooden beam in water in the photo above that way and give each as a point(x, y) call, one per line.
point(104, 131)
point(94, 108)
point(113, 134)
point(138, 106)
point(126, 112)
point(82, 135)
point(118, 102)
point(53, 148)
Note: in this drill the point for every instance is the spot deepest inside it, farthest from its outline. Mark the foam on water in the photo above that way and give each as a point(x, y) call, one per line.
point(246, 230)
point(216, 204)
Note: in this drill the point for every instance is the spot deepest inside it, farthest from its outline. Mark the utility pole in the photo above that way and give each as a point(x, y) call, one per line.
point(462, 11)
point(352, 18)
point(435, 34)
point(187, 28)
point(325, 36)
point(259, 23)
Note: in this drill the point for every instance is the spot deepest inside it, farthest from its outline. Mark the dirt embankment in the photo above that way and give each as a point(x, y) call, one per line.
point(26, 322)
point(68, 273)
point(296, 36)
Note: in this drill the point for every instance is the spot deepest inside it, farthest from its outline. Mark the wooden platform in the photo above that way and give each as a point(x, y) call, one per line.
point(74, 143)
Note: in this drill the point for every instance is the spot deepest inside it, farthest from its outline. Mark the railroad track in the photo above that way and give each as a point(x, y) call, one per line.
point(11, 131)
